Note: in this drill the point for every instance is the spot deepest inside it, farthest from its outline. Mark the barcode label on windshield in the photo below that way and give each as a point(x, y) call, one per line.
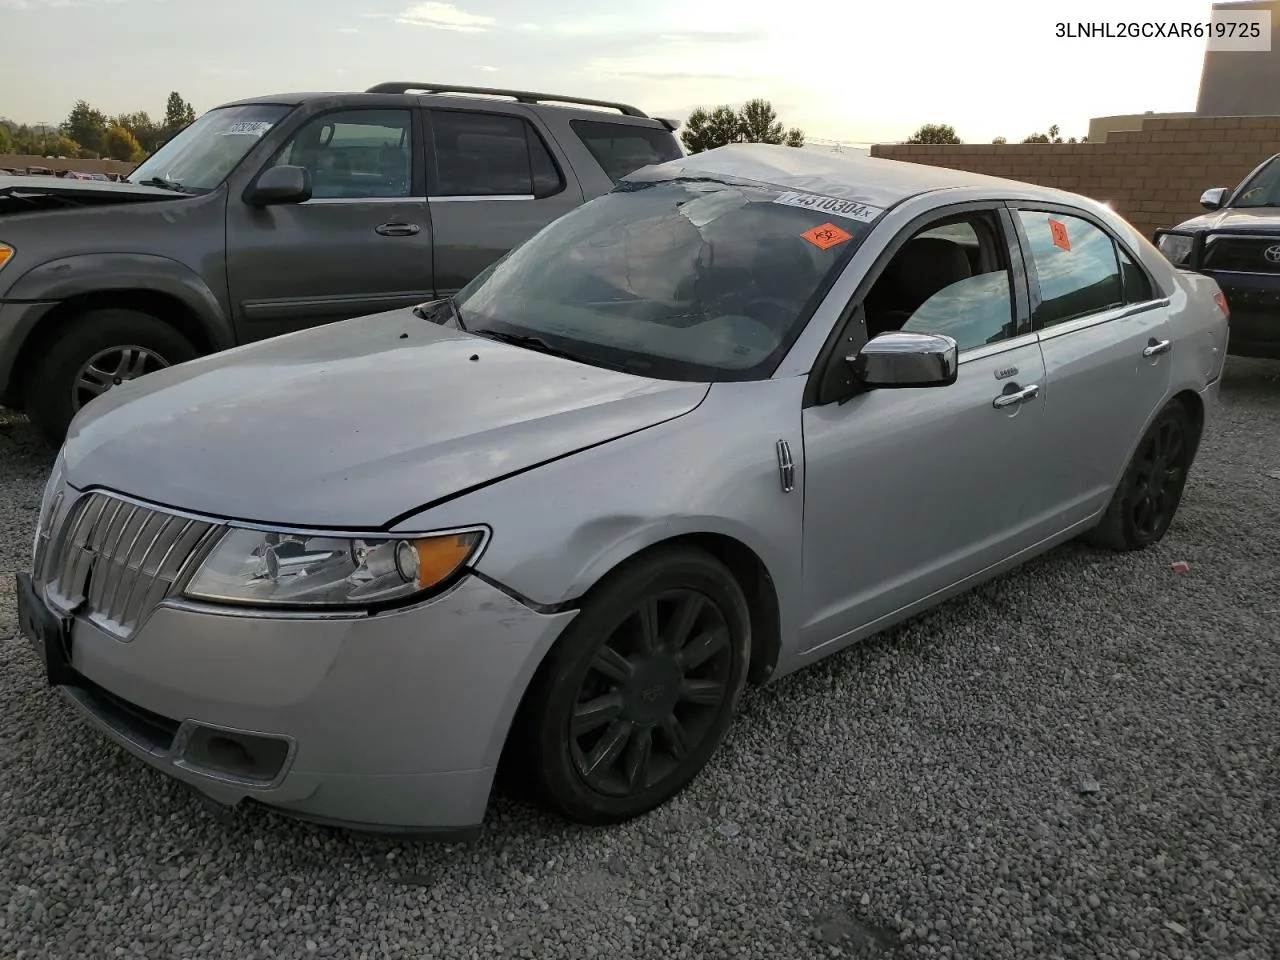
point(834, 205)
point(248, 128)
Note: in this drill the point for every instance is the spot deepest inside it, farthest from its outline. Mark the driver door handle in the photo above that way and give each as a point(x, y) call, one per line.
point(397, 229)
point(1156, 347)
point(1029, 392)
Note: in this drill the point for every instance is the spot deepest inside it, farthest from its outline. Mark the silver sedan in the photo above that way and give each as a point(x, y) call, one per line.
point(749, 408)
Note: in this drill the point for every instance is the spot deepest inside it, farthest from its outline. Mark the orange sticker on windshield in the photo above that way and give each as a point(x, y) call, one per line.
point(826, 236)
point(1059, 231)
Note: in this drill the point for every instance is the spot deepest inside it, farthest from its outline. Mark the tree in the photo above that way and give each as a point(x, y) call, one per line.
point(707, 130)
point(143, 128)
point(68, 148)
point(85, 126)
point(756, 122)
point(6, 138)
point(760, 123)
point(935, 133)
point(177, 114)
point(1054, 135)
point(999, 140)
point(119, 144)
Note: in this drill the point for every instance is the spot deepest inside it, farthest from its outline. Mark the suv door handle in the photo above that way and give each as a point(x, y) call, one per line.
point(1156, 347)
point(397, 229)
point(1029, 392)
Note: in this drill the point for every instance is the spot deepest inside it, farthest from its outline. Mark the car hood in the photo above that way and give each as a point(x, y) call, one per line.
point(32, 193)
point(1239, 219)
point(353, 424)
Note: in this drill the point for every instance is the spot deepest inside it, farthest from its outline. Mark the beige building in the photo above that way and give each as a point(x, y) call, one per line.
point(1242, 83)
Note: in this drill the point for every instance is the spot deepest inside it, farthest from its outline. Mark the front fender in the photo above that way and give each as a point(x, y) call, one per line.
point(56, 280)
point(561, 527)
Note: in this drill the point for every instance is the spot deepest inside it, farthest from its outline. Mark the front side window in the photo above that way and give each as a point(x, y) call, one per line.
point(1076, 265)
point(354, 154)
point(623, 148)
point(681, 280)
point(491, 155)
point(199, 158)
point(951, 278)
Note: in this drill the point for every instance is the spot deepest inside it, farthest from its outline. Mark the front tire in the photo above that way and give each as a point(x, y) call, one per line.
point(97, 350)
point(1144, 504)
point(641, 689)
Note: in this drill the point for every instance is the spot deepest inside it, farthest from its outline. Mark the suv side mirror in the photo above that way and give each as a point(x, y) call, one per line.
point(906, 360)
point(1213, 199)
point(280, 185)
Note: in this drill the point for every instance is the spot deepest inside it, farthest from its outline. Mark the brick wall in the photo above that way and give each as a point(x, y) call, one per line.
point(17, 161)
point(1153, 176)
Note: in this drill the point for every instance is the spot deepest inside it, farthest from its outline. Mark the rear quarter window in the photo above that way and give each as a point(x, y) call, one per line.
point(623, 148)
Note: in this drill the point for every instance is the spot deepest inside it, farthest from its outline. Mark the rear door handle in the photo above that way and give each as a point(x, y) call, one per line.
point(1029, 392)
point(1156, 347)
point(397, 229)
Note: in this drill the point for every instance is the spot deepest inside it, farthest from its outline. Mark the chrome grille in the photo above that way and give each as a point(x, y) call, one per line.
point(118, 559)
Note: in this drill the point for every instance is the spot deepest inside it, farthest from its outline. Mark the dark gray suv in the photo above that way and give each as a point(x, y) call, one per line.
point(277, 213)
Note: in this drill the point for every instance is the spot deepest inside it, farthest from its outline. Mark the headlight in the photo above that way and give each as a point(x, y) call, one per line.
point(6, 254)
point(1176, 247)
point(296, 569)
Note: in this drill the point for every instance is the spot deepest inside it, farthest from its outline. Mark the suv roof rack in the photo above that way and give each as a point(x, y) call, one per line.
point(521, 96)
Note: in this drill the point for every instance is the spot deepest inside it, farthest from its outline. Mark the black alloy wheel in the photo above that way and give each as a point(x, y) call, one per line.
point(651, 693)
point(640, 690)
point(1148, 496)
point(1160, 476)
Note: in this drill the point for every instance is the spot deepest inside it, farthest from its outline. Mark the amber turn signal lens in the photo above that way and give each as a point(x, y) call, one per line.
point(440, 557)
point(6, 252)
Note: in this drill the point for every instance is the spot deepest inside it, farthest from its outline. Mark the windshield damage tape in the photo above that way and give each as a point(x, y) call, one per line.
point(834, 205)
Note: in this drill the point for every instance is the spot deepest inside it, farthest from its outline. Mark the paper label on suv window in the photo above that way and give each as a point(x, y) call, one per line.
point(247, 128)
point(841, 208)
point(1058, 230)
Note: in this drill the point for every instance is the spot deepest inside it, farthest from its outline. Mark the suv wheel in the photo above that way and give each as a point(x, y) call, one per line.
point(96, 351)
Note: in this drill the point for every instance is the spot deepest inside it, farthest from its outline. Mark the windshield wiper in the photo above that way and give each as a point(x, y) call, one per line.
point(173, 185)
point(541, 346)
point(427, 311)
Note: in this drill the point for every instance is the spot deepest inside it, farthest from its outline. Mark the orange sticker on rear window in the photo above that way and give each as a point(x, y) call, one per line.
point(1059, 231)
point(826, 236)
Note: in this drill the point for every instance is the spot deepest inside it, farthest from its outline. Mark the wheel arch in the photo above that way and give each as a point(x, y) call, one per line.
point(158, 286)
point(751, 574)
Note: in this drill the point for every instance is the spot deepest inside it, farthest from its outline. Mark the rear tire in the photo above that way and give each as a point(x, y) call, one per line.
point(1148, 496)
point(52, 397)
point(616, 725)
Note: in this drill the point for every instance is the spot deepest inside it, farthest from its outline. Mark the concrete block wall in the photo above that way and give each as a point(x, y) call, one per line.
point(1153, 176)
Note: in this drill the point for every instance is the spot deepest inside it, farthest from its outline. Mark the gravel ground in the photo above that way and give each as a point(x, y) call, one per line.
point(918, 796)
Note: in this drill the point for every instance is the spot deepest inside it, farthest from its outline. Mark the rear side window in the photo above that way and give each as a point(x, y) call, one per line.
point(1137, 287)
point(491, 155)
point(1076, 265)
point(623, 148)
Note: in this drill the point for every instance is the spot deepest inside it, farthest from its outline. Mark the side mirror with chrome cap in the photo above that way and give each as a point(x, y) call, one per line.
point(896, 360)
point(1213, 199)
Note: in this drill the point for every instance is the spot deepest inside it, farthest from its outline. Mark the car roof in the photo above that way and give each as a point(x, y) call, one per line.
point(588, 110)
point(870, 180)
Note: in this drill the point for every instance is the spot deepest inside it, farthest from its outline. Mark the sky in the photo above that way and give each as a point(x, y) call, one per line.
point(851, 70)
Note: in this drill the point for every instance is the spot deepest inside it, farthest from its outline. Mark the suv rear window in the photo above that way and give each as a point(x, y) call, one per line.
point(623, 148)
